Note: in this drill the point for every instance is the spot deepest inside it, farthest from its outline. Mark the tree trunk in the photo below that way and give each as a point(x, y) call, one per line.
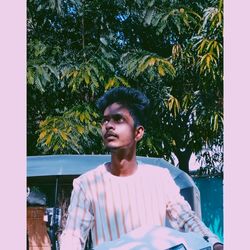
point(183, 158)
point(83, 33)
point(83, 39)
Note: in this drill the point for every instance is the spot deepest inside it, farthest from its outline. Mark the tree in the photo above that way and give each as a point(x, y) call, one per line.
point(172, 50)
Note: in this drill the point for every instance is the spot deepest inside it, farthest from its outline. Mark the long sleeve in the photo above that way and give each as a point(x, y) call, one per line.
point(79, 221)
point(181, 215)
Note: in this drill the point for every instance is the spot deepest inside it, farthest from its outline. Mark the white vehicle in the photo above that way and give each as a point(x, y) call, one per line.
point(54, 173)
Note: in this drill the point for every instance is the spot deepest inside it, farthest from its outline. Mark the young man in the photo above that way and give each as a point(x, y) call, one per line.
point(122, 195)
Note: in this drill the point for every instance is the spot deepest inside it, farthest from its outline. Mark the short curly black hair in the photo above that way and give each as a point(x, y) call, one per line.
point(134, 100)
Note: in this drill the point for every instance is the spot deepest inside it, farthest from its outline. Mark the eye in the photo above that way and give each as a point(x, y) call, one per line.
point(105, 121)
point(118, 119)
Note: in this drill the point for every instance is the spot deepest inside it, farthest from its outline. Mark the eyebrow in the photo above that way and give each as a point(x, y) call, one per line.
point(115, 115)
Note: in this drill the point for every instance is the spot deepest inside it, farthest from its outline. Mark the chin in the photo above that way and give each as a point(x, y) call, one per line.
point(111, 147)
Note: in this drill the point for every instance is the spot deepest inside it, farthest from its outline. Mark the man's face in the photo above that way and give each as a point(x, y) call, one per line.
point(118, 131)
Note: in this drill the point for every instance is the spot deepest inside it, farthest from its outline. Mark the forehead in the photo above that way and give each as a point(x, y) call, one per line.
point(115, 109)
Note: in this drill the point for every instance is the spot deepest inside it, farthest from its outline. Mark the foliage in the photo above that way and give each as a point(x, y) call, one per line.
point(211, 161)
point(172, 50)
point(67, 133)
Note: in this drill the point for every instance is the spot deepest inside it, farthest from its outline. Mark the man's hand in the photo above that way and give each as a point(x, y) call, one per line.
point(218, 246)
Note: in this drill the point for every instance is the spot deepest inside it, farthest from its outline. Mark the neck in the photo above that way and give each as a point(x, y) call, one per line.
point(123, 163)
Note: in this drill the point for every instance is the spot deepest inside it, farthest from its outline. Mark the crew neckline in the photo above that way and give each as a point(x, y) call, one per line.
point(122, 178)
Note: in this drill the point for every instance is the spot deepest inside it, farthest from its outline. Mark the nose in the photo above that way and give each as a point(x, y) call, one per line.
point(109, 124)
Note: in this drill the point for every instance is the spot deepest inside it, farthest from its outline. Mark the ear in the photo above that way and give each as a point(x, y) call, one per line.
point(139, 132)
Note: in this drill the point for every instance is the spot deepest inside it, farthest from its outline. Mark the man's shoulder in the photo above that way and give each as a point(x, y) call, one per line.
point(91, 173)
